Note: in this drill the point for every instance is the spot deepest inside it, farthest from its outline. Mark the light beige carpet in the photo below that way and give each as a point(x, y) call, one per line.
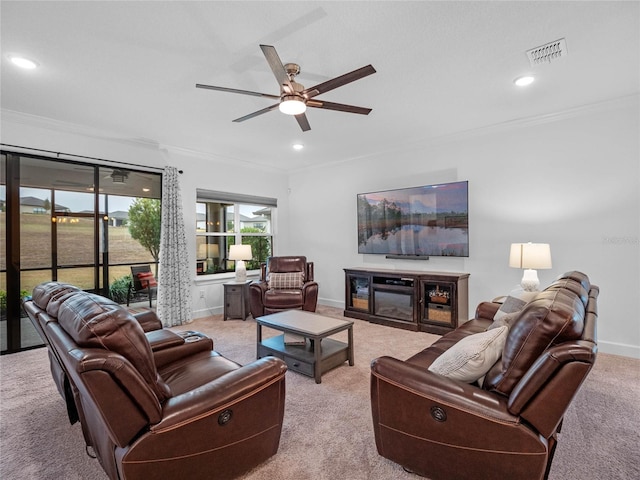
point(327, 432)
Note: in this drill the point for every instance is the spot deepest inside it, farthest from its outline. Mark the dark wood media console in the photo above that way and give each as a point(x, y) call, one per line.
point(434, 302)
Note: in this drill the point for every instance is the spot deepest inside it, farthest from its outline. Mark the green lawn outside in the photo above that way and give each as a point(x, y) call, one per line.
point(75, 247)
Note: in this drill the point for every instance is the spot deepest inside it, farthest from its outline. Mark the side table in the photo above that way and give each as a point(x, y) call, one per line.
point(236, 299)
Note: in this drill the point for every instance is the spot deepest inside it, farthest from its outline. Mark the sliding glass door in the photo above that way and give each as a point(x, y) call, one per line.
point(60, 220)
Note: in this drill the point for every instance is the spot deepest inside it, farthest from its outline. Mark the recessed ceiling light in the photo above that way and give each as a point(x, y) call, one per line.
point(524, 80)
point(23, 62)
point(297, 146)
point(145, 189)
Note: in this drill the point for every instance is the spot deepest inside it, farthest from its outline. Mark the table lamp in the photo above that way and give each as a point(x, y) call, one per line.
point(240, 253)
point(530, 256)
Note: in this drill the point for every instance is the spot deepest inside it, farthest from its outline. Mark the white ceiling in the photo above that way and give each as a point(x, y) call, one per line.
point(130, 68)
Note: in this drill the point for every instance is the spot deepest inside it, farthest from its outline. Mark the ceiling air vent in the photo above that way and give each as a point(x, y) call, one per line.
point(547, 53)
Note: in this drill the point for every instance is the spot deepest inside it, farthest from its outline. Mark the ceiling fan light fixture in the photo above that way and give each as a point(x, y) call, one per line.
point(292, 105)
point(119, 176)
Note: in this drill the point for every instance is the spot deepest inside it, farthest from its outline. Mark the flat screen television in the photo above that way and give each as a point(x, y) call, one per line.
point(415, 222)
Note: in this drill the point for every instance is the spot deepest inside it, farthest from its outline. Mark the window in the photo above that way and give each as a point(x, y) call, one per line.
point(225, 219)
point(66, 221)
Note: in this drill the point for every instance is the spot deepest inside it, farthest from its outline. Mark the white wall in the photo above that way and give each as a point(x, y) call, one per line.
point(571, 180)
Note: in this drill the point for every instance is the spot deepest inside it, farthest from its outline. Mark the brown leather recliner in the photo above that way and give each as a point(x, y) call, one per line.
point(166, 345)
point(186, 413)
point(285, 283)
point(507, 428)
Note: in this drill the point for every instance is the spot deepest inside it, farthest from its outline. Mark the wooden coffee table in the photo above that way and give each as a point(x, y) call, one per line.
point(319, 353)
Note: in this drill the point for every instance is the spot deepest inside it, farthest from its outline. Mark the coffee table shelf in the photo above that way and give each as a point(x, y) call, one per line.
point(319, 354)
point(300, 358)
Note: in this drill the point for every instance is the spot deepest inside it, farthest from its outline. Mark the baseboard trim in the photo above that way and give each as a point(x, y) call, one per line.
point(331, 303)
point(206, 312)
point(622, 349)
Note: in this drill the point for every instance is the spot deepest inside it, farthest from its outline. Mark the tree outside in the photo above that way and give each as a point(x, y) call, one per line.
point(260, 247)
point(144, 225)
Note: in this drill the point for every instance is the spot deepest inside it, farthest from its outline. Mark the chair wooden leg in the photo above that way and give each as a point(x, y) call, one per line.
point(149, 292)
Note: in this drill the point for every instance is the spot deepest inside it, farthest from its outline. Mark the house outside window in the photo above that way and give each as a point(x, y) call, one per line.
point(224, 219)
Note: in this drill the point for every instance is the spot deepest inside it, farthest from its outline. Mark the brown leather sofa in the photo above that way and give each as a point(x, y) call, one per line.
point(166, 345)
point(507, 428)
point(157, 404)
point(285, 283)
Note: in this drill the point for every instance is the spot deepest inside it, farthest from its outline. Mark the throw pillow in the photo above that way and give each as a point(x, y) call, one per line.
point(147, 279)
point(515, 301)
point(286, 281)
point(504, 320)
point(472, 357)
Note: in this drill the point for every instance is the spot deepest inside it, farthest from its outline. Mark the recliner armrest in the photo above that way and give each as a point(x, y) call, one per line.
point(437, 388)
point(148, 320)
point(487, 310)
point(192, 406)
point(162, 339)
point(177, 345)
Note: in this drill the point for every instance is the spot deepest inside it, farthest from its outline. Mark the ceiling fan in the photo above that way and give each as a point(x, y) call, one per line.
point(294, 98)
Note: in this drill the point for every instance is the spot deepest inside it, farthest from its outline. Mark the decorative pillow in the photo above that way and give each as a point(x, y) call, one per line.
point(286, 281)
point(515, 301)
point(472, 357)
point(504, 320)
point(147, 279)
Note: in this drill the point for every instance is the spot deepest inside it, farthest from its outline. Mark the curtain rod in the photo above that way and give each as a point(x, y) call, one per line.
point(74, 156)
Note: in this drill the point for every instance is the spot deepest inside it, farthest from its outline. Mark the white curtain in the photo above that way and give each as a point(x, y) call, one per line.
point(174, 284)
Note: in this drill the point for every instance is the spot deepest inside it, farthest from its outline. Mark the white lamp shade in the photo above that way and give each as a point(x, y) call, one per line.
point(240, 252)
point(208, 250)
point(530, 255)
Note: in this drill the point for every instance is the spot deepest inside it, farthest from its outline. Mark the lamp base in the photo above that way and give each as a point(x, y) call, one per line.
point(241, 271)
point(530, 282)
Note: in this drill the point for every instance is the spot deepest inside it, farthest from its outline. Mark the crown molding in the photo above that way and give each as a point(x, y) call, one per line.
point(498, 128)
point(52, 124)
point(408, 146)
point(519, 123)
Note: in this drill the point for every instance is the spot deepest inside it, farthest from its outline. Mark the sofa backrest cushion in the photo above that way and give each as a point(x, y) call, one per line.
point(47, 292)
point(553, 316)
point(93, 321)
point(576, 282)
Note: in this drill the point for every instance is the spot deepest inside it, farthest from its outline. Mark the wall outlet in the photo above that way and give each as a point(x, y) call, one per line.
point(201, 293)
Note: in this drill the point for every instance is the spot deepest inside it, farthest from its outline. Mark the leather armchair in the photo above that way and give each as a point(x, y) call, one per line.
point(276, 291)
point(507, 425)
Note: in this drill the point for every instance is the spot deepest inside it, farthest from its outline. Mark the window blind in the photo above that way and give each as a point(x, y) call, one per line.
point(229, 197)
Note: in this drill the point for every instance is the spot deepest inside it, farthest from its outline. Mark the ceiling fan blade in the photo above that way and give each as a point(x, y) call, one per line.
point(255, 114)
point(235, 90)
point(340, 107)
point(303, 122)
point(338, 81)
point(276, 66)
